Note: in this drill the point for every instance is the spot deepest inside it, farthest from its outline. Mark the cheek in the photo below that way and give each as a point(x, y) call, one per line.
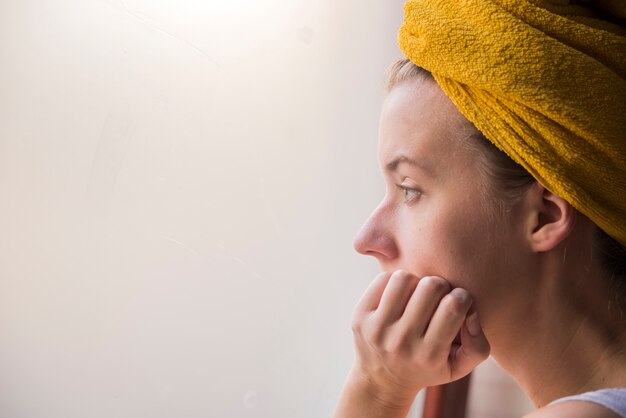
point(452, 244)
point(477, 261)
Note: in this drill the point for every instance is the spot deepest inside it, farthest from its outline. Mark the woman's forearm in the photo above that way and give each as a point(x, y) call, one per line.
point(360, 399)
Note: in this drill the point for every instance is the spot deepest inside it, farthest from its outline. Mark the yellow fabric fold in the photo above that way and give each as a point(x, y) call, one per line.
point(545, 81)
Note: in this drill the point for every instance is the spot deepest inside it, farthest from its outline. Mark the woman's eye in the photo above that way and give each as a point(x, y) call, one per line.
point(410, 194)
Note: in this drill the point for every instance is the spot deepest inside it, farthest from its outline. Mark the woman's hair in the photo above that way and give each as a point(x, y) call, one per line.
point(509, 180)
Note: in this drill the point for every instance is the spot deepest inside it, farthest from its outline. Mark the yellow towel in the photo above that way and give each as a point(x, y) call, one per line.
point(545, 81)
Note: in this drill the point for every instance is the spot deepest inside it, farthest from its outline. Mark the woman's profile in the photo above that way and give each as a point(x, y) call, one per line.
point(502, 232)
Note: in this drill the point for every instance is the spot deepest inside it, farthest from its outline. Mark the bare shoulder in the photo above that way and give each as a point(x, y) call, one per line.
point(573, 409)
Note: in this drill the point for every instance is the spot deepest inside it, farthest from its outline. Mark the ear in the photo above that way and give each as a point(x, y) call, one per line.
point(550, 218)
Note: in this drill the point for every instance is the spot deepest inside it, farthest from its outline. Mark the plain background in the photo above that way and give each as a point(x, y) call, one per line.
point(180, 185)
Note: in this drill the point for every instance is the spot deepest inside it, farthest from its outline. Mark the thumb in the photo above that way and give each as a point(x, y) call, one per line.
point(474, 348)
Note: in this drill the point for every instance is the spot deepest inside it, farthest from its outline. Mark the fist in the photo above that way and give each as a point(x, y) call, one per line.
point(413, 332)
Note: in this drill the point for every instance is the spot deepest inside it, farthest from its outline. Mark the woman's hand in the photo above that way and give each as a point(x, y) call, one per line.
point(404, 329)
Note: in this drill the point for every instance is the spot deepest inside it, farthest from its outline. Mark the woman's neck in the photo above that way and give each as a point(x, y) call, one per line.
point(573, 340)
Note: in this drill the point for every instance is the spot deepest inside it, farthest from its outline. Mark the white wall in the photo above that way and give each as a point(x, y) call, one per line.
point(180, 183)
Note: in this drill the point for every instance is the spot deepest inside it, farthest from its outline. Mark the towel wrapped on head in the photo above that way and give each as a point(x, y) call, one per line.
point(545, 81)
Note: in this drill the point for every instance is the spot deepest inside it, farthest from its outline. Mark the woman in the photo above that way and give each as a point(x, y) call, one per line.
point(520, 257)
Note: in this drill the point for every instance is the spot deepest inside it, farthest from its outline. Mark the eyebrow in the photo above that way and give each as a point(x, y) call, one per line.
point(393, 165)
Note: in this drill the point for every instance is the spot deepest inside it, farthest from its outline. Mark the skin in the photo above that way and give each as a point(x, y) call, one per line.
point(530, 276)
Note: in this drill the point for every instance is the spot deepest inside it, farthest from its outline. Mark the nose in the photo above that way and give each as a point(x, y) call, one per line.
point(375, 237)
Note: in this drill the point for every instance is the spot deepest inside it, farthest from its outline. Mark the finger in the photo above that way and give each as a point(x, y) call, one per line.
point(371, 297)
point(474, 348)
point(447, 320)
point(396, 295)
point(422, 304)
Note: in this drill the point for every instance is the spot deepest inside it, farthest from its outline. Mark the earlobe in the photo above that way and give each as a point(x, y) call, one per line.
point(552, 219)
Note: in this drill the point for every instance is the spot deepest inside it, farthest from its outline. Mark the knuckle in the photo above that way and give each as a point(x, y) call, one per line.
point(358, 321)
point(363, 325)
point(356, 325)
point(373, 333)
point(400, 278)
point(434, 284)
point(430, 355)
point(399, 275)
point(400, 272)
point(454, 304)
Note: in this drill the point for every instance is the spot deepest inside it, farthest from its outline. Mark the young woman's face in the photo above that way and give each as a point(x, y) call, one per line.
point(440, 225)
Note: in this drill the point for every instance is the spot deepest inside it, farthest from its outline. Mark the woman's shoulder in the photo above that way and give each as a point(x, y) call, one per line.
point(573, 409)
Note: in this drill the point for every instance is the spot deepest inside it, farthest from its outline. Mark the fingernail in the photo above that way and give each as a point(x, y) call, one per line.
point(473, 324)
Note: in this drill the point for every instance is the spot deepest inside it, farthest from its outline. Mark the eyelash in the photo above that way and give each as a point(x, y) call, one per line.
point(408, 189)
